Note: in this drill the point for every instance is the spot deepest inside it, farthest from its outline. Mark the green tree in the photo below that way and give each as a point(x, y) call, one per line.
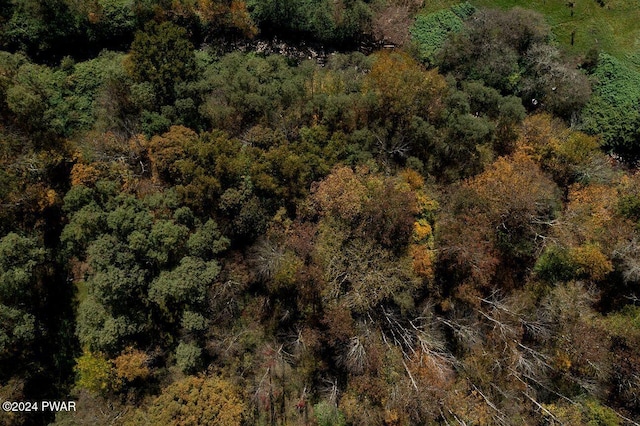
point(41, 27)
point(21, 268)
point(10, 63)
point(36, 99)
point(163, 56)
point(207, 241)
point(323, 20)
point(17, 332)
point(142, 286)
point(186, 285)
point(87, 88)
point(511, 52)
point(188, 357)
point(246, 89)
point(112, 21)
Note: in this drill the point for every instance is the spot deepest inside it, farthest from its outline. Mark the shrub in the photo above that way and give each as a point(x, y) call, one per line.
point(188, 357)
point(431, 31)
point(614, 109)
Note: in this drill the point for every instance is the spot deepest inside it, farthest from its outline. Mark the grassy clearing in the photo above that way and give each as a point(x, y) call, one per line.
point(613, 28)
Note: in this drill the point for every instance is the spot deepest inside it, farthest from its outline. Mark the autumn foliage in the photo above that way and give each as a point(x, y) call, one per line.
point(195, 229)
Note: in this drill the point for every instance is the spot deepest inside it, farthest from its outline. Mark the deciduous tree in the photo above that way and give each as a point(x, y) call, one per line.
point(163, 56)
point(198, 400)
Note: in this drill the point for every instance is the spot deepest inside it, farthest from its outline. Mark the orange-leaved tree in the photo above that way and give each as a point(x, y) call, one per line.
point(500, 217)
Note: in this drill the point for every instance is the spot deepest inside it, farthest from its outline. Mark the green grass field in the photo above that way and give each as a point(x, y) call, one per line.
point(614, 28)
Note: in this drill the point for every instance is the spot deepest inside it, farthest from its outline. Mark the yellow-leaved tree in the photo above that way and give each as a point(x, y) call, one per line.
point(202, 400)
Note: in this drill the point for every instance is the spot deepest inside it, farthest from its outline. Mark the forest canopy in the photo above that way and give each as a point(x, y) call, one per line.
point(317, 212)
